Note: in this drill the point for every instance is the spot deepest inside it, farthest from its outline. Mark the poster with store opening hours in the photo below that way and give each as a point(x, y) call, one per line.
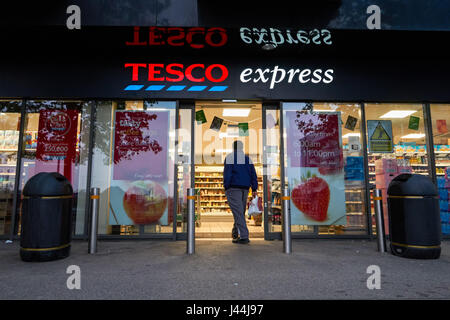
point(139, 188)
point(315, 168)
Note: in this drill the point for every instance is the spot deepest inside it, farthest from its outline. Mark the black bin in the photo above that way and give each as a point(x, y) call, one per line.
point(414, 219)
point(46, 226)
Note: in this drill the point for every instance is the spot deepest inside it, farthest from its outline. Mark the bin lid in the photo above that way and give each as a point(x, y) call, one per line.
point(48, 184)
point(407, 184)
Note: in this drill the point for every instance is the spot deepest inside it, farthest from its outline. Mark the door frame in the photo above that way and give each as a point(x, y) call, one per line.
point(268, 235)
point(184, 105)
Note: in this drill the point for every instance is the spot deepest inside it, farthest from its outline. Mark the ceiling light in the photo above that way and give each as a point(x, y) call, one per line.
point(229, 100)
point(413, 136)
point(351, 135)
point(398, 113)
point(224, 150)
point(235, 112)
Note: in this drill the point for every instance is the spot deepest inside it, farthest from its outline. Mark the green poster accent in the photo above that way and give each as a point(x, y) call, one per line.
point(380, 136)
point(200, 117)
point(414, 123)
point(243, 129)
point(350, 124)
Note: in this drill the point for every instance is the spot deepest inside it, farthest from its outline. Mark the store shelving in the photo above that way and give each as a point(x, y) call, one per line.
point(7, 177)
point(209, 182)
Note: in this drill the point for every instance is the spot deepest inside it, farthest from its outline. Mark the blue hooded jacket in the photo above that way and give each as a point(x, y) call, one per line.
point(239, 172)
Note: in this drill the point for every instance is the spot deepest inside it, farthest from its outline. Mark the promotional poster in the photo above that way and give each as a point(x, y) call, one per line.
point(139, 188)
point(56, 142)
point(315, 168)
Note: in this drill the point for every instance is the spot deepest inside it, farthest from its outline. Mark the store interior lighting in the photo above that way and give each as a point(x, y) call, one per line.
point(414, 136)
point(351, 135)
point(398, 114)
point(231, 112)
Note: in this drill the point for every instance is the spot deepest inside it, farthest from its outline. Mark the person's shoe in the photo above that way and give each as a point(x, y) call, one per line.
point(241, 241)
point(234, 233)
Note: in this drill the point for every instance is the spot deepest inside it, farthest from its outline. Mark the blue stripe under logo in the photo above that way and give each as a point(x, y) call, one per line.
point(133, 87)
point(154, 88)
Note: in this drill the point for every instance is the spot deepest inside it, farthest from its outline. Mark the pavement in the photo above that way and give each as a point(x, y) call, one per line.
point(155, 269)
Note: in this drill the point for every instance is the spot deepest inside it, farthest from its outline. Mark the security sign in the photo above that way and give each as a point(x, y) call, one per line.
point(380, 136)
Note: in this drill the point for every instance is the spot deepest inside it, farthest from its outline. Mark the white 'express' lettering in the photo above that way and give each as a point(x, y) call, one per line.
point(278, 75)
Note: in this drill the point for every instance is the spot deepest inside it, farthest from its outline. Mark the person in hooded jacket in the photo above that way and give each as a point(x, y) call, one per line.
point(239, 175)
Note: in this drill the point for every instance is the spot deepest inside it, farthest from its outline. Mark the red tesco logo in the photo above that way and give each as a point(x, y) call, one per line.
point(196, 37)
point(176, 72)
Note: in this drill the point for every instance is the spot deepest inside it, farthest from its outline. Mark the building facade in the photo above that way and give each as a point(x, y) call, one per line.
point(145, 112)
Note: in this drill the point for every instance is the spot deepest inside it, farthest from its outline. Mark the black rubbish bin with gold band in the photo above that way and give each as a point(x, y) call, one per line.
point(46, 222)
point(414, 219)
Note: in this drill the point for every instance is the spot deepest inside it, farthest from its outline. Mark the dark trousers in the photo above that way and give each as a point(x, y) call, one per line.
point(237, 200)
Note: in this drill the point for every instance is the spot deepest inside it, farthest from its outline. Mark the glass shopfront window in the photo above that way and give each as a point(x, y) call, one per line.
point(9, 142)
point(355, 221)
point(133, 165)
point(396, 142)
point(440, 118)
point(56, 139)
point(324, 168)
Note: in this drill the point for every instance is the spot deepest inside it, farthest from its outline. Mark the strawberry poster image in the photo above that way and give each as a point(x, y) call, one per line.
point(139, 189)
point(56, 142)
point(315, 168)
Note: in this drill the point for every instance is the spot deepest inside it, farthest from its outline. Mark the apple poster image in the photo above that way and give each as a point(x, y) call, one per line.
point(315, 168)
point(139, 190)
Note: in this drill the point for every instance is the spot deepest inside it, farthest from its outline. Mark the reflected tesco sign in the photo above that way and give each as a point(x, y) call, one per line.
point(196, 37)
point(176, 72)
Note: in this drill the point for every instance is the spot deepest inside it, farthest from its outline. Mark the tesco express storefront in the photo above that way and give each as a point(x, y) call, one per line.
point(141, 113)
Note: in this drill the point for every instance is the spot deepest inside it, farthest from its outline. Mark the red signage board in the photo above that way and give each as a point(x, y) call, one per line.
point(315, 142)
point(140, 145)
point(56, 143)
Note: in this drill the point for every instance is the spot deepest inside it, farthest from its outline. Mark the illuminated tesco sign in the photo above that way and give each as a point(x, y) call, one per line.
point(176, 72)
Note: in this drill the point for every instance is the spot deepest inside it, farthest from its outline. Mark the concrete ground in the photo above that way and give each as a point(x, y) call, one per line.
point(317, 269)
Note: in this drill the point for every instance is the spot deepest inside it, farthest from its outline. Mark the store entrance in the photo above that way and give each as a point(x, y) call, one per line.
point(217, 126)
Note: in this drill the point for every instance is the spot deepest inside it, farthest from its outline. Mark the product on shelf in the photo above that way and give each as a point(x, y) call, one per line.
point(443, 183)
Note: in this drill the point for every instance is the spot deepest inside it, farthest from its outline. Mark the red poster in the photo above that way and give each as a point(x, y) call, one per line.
point(56, 143)
point(315, 142)
point(441, 126)
point(140, 186)
point(140, 145)
point(315, 168)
